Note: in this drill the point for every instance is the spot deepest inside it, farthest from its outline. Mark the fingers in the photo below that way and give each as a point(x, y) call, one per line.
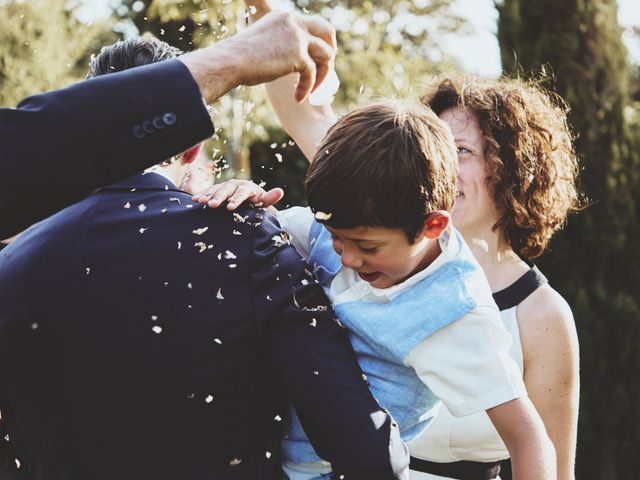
point(271, 197)
point(307, 79)
point(320, 28)
point(323, 55)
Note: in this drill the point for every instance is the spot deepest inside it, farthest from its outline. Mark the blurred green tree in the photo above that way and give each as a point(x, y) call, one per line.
point(594, 262)
point(44, 46)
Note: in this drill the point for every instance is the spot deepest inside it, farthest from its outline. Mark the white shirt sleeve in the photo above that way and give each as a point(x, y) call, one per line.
point(297, 221)
point(467, 364)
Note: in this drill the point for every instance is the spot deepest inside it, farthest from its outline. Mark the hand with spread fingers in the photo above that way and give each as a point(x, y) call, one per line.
point(236, 192)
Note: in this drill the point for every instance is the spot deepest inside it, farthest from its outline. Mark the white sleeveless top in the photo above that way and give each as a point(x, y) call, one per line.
point(472, 438)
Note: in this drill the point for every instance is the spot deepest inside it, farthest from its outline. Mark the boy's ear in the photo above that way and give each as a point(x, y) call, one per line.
point(436, 223)
point(190, 155)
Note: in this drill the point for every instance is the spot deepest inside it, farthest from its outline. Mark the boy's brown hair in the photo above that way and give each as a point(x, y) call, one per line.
point(388, 164)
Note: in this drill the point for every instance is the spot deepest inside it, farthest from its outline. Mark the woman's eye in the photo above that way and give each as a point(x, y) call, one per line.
point(463, 150)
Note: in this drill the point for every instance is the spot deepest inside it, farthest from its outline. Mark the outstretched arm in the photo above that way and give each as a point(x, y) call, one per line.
point(66, 143)
point(307, 124)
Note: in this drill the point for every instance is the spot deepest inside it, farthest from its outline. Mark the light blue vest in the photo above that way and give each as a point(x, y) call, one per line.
point(383, 334)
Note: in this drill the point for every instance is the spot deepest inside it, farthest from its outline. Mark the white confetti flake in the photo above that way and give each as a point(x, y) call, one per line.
point(267, 454)
point(164, 210)
point(304, 281)
point(142, 230)
point(200, 231)
point(269, 298)
point(220, 256)
point(279, 157)
point(6, 437)
point(188, 205)
point(235, 461)
point(277, 418)
point(280, 240)
point(273, 145)
point(34, 326)
point(154, 318)
point(315, 372)
point(142, 207)
point(219, 294)
point(157, 329)
point(182, 28)
point(239, 218)
point(232, 265)
point(322, 216)
point(209, 399)
point(218, 341)
point(127, 205)
point(175, 199)
point(166, 283)
point(179, 245)
point(229, 255)
point(18, 464)
point(88, 270)
point(313, 322)
point(201, 245)
point(236, 232)
point(189, 285)
point(191, 396)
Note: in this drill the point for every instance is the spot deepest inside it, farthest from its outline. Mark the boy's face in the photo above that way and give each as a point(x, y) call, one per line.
point(382, 256)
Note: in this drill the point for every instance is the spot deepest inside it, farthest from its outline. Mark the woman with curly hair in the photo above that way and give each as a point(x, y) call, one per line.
point(516, 185)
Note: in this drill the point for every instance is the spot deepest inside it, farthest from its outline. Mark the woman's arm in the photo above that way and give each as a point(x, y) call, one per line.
point(305, 123)
point(522, 431)
point(551, 363)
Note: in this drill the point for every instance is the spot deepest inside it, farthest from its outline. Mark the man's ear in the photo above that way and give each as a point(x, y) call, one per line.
point(191, 154)
point(436, 223)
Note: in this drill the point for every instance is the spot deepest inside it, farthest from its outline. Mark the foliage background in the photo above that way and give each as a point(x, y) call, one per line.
point(389, 48)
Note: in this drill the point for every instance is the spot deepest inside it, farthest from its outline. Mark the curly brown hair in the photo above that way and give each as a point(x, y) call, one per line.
point(530, 160)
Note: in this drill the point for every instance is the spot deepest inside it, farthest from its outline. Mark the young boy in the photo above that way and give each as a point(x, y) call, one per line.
point(418, 308)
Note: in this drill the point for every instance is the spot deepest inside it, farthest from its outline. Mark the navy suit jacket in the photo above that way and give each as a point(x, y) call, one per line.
point(142, 336)
point(58, 147)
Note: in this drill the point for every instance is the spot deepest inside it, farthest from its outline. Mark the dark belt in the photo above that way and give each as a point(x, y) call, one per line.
point(462, 470)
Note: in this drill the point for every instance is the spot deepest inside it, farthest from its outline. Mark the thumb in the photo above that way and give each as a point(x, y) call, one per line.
point(271, 197)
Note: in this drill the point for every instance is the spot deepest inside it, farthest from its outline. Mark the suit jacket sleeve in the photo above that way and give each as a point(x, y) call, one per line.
point(317, 366)
point(59, 146)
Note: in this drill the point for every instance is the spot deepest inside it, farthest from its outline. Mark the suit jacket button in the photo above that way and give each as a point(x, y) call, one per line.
point(147, 126)
point(138, 132)
point(169, 118)
point(157, 122)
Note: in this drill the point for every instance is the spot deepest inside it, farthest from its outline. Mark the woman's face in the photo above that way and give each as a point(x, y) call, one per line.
point(474, 211)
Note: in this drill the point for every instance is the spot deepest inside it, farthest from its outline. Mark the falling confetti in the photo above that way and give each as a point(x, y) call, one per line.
point(239, 218)
point(175, 199)
point(236, 232)
point(154, 317)
point(127, 205)
point(142, 207)
point(267, 454)
point(313, 322)
point(200, 231)
point(209, 399)
point(157, 329)
point(201, 245)
point(34, 326)
point(218, 341)
point(179, 245)
point(277, 418)
point(229, 255)
point(88, 270)
point(279, 157)
point(189, 285)
point(219, 294)
point(235, 461)
point(142, 230)
point(322, 216)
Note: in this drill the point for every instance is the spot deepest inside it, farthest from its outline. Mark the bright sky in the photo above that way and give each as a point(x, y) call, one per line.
point(478, 52)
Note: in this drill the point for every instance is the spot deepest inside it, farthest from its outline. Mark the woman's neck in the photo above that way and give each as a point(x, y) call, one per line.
point(501, 264)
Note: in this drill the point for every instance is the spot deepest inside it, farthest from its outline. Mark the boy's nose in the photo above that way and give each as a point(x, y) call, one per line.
point(351, 260)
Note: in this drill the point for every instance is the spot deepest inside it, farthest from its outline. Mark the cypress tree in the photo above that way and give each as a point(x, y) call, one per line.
point(593, 262)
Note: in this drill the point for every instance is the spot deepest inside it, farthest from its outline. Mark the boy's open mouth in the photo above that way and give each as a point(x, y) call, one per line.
point(369, 277)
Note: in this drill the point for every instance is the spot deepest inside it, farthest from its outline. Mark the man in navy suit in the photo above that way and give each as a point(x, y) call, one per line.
point(60, 146)
point(142, 336)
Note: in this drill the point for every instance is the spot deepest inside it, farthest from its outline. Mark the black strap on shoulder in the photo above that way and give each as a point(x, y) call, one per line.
point(520, 289)
point(462, 470)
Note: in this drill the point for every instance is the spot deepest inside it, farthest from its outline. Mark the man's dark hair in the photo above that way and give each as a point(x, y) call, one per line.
point(388, 164)
point(131, 52)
